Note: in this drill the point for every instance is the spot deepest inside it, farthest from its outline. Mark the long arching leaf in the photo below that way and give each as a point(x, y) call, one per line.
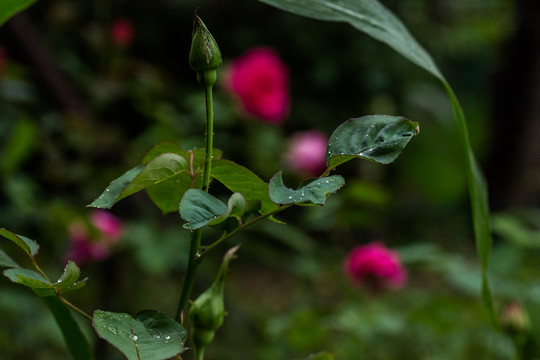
point(372, 18)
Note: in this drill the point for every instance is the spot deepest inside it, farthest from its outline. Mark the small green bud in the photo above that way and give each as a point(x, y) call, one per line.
point(204, 56)
point(207, 312)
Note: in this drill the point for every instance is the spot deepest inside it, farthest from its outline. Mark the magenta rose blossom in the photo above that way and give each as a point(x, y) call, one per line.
point(85, 247)
point(307, 151)
point(109, 225)
point(375, 266)
point(260, 79)
point(122, 32)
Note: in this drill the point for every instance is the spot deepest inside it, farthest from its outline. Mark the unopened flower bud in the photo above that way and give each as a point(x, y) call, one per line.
point(207, 312)
point(204, 56)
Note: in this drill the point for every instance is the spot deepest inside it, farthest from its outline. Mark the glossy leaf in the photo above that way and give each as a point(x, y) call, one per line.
point(6, 260)
point(380, 138)
point(8, 8)
point(198, 208)
point(236, 206)
point(167, 194)
point(29, 246)
point(76, 342)
point(164, 167)
point(369, 16)
point(28, 277)
point(69, 279)
point(150, 335)
point(196, 157)
point(167, 171)
point(42, 286)
point(314, 191)
point(375, 20)
point(162, 148)
point(112, 193)
point(240, 179)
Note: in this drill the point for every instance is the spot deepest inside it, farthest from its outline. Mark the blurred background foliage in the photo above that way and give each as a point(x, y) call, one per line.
point(78, 109)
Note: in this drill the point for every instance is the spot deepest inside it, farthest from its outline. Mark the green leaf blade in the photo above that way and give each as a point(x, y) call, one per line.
point(378, 22)
point(167, 194)
point(68, 280)
point(7, 261)
point(32, 279)
point(379, 138)
point(368, 16)
point(198, 208)
point(112, 193)
point(162, 168)
point(76, 342)
point(240, 179)
point(8, 8)
point(315, 191)
point(150, 335)
point(196, 157)
point(28, 245)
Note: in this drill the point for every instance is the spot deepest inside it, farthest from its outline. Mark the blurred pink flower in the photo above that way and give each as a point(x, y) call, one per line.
point(107, 223)
point(84, 247)
point(260, 79)
point(306, 153)
point(375, 266)
point(122, 32)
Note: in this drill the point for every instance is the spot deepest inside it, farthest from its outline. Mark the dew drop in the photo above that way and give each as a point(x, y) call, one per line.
point(134, 337)
point(167, 337)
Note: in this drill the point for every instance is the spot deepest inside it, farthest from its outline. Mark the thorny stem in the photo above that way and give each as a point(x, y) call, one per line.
point(194, 258)
point(209, 136)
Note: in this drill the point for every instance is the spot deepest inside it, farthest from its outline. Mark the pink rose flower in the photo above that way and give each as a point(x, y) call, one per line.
point(109, 225)
point(260, 79)
point(375, 266)
point(122, 32)
point(84, 247)
point(307, 151)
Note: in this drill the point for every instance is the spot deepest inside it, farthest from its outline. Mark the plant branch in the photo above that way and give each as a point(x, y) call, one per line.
point(209, 136)
point(242, 227)
point(74, 307)
point(36, 266)
point(189, 279)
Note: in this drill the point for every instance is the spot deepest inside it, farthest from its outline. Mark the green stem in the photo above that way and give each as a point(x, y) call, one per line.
point(36, 266)
point(209, 136)
point(242, 227)
point(199, 355)
point(189, 279)
point(74, 307)
point(207, 80)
